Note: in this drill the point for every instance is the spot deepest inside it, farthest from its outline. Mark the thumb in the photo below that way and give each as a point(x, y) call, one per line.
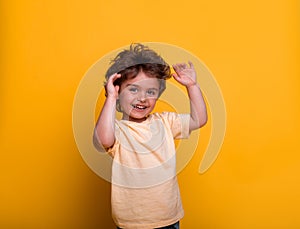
point(117, 87)
point(175, 75)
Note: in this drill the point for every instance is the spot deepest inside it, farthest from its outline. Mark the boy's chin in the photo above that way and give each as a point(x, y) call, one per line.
point(138, 117)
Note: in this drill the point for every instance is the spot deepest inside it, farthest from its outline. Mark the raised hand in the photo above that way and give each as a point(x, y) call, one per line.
point(185, 74)
point(111, 89)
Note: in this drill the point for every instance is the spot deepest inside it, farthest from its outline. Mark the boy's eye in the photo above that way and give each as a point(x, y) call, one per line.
point(133, 89)
point(151, 93)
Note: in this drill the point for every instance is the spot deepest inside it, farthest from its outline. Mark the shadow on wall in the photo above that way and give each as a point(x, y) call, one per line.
point(99, 204)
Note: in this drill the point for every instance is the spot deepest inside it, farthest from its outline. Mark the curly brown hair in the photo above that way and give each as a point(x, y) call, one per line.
point(139, 58)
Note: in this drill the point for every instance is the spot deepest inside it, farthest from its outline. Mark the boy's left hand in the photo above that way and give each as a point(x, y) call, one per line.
point(184, 74)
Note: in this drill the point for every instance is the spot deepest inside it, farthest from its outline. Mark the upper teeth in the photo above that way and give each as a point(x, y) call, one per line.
point(139, 107)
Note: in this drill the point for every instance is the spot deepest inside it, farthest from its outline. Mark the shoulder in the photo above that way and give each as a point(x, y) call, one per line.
point(163, 115)
point(178, 123)
point(169, 116)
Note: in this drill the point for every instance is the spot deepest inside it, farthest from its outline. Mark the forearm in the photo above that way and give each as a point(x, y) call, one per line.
point(105, 127)
point(197, 107)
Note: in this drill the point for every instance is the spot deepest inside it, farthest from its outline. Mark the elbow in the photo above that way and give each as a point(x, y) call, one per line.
point(98, 146)
point(202, 122)
point(203, 119)
point(198, 122)
point(101, 144)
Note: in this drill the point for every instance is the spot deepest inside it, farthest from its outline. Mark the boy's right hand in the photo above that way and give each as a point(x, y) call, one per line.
point(111, 89)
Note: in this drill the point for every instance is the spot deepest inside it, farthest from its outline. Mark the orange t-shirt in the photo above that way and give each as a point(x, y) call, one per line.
point(145, 192)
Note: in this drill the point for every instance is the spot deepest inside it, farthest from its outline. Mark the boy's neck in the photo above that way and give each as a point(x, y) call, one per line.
point(134, 119)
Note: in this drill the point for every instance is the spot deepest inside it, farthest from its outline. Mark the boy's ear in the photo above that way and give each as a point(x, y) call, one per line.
point(118, 106)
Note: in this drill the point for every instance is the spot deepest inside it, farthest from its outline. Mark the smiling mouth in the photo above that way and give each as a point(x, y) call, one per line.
point(139, 107)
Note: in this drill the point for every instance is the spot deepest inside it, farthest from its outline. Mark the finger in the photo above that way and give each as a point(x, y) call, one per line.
point(117, 87)
point(114, 77)
point(183, 66)
point(180, 66)
point(111, 77)
point(191, 65)
point(176, 76)
point(175, 67)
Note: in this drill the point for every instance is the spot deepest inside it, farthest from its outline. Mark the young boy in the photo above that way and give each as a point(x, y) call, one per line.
point(145, 192)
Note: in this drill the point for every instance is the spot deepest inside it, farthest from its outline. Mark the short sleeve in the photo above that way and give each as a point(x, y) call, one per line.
point(179, 124)
point(111, 151)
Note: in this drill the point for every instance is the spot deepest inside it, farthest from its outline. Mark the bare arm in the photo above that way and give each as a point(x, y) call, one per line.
point(186, 75)
point(197, 107)
point(105, 127)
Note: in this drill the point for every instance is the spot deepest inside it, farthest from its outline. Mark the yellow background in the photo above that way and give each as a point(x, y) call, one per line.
point(253, 50)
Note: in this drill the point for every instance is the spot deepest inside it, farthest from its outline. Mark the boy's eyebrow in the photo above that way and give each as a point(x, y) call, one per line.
point(135, 85)
point(153, 88)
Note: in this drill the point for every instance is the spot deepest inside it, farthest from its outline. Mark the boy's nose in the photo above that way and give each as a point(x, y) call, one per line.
point(141, 97)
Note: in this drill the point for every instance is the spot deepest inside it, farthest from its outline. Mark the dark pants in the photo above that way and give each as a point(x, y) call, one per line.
point(173, 226)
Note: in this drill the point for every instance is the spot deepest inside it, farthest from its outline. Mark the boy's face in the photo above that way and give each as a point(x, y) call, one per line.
point(138, 97)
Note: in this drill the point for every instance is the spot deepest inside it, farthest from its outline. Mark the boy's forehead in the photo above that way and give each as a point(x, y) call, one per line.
point(143, 81)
